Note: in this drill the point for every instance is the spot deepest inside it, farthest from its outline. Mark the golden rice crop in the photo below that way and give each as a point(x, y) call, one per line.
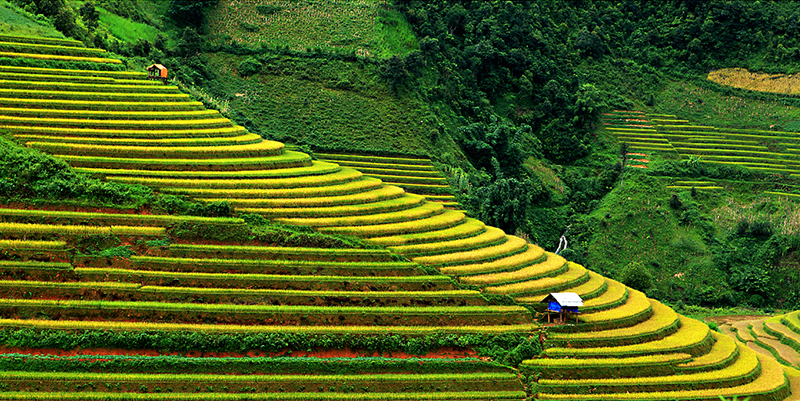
point(771, 383)
point(115, 123)
point(723, 351)
point(163, 218)
point(570, 363)
point(101, 105)
point(288, 159)
point(747, 365)
point(107, 115)
point(279, 250)
point(593, 287)
point(532, 255)
point(381, 166)
point(232, 277)
point(19, 46)
point(692, 335)
point(263, 148)
point(395, 172)
point(375, 159)
point(254, 183)
point(242, 292)
point(25, 244)
point(637, 304)
point(80, 230)
point(304, 396)
point(153, 90)
point(352, 187)
point(414, 213)
point(511, 246)
point(372, 195)
point(553, 263)
point(122, 133)
point(42, 40)
point(407, 179)
point(33, 265)
point(79, 72)
point(224, 378)
point(663, 321)
point(400, 203)
point(615, 292)
point(469, 227)
point(218, 141)
point(79, 95)
point(61, 58)
point(315, 169)
point(437, 221)
point(68, 285)
point(224, 328)
point(574, 276)
point(489, 237)
point(268, 309)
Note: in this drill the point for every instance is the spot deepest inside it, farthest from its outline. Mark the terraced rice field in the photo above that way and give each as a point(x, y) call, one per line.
point(236, 308)
point(770, 151)
point(414, 175)
point(774, 151)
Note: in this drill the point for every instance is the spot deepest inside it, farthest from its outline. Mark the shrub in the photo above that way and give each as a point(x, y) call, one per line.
point(636, 275)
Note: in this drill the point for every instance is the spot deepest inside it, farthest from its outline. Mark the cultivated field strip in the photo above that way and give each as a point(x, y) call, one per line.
point(415, 175)
point(331, 292)
point(774, 151)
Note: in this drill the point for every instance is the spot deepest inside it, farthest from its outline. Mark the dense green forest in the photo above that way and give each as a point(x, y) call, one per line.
point(508, 96)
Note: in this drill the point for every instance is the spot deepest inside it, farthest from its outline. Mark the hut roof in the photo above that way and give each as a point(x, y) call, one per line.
point(159, 66)
point(564, 298)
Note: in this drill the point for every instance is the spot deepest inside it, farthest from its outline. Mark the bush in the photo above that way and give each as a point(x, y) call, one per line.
point(636, 276)
point(249, 67)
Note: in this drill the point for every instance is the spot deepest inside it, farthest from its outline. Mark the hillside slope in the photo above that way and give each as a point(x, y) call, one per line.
point(131, 131)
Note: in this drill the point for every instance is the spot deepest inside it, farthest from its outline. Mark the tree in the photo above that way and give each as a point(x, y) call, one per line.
point(190, 43)
point(189, 13)
point(394, 71)
point(90, 15)
point(636, 276)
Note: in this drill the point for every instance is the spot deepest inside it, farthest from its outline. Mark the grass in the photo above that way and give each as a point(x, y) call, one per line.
point(369, 28)
point(719, 110)
point(125, 29)
point(16, 22)
point(330, 104)
point(782, 213)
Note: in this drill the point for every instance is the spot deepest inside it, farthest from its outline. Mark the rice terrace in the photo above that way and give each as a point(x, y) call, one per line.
point(398, 200)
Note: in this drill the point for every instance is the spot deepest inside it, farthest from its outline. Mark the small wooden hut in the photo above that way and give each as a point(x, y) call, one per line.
point(157, 71)
point(563, 303)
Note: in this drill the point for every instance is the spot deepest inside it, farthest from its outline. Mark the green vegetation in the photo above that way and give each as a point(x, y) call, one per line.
point(510, 114)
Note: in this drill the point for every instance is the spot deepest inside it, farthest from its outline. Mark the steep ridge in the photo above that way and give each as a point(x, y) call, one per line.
point(678, 358)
